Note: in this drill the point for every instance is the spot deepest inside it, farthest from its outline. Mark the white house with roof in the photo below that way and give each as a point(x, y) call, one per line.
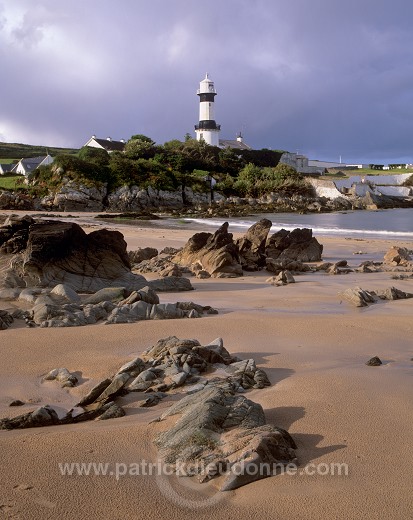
point(6, 168)
point(29, 164)
point(107, 144)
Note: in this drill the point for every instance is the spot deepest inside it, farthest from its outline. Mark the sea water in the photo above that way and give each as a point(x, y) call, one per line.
point(394, 224)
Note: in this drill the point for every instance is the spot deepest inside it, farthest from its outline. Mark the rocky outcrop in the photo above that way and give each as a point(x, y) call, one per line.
point(219, 434)
point(398, 256)
point(60, 252)
point(16, 201)
point(361, 298)
point(283, 278)
point(214, 253)
point(14, 234)
point(63, 376)
point(251, 246)
point(142, 253)
point(298, 244)
point(134, 198)
point(340, 267)
point(111, 305)
point(75, 196)
point(218, 255)
point(171, 284)
point(6, 319)
point(50, 253)
point(53, 252)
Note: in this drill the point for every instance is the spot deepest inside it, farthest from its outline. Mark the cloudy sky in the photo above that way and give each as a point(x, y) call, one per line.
point(322, 77)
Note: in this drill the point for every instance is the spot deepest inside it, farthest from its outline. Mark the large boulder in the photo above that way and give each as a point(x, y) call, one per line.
point(216, 253)
point(62, 253)
point(298, 244)
point(252, 245)
point(218, 433)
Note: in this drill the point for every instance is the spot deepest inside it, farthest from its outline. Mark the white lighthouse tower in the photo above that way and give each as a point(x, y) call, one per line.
point(207, 129)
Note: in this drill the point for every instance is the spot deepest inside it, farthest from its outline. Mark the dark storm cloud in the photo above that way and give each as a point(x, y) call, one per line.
point(325, 77)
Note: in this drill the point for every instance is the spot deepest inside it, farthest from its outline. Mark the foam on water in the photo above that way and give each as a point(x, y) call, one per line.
point(388, 224)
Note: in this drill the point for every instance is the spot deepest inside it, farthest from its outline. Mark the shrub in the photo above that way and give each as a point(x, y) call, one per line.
point(96, 156)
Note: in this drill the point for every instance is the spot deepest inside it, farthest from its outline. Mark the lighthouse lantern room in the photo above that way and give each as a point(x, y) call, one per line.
point(207, 128)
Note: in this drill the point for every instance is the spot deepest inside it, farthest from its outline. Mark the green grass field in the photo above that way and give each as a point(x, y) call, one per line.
point(8, 161)
point(11, 182)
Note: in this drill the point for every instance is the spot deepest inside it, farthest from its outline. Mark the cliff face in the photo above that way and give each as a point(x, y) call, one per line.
point(77, 196)
point(74, 196)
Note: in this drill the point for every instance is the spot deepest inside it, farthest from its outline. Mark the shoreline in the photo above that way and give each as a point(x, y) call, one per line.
point(313, 347)
point(239, 225)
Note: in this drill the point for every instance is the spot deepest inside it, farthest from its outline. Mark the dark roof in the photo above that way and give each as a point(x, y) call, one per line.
point(111, 146)
point(31, 163)
point(7, 167)
point(238, 145)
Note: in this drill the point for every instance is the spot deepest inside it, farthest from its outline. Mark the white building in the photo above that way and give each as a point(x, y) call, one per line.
point(207, 128)
point(234, 144)
point(300, 163)
point(28, 165)
point(107, 144)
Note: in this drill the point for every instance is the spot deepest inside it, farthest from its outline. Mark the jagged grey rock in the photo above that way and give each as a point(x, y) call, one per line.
point(43, 416)
point(66, 292)
point(374, 362)
point(115, 387)
point(397, 256)
point(171, 284)
point(282, 278)
point(361, 298)
point(113, 294)
point(113, 412)
point(63, 376)
point(142, 253)
point(6, 319)
point(298, 244)
point(216, 428)
point(216, 253)
point(95, 392)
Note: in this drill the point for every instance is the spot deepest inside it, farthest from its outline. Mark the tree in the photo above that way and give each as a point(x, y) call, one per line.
point(140, 147)
point(142, 137)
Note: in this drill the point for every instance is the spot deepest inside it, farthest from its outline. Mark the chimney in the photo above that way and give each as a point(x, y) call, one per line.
point(239, 137)
point(93, 137)
point(108, 139)
point(122, 140)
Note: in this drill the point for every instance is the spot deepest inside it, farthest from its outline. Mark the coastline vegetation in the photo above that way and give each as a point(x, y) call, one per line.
point(189, 163)
point(172, 165)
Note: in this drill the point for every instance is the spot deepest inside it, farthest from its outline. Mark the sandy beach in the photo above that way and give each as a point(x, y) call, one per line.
point(312, 345)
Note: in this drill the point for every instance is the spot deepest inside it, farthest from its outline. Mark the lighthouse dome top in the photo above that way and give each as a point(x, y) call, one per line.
point(206, 85)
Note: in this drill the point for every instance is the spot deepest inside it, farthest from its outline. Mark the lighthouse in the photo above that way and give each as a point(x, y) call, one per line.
point(207, 128)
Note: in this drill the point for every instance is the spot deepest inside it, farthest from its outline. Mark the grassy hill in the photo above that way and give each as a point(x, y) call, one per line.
point(9, 151)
